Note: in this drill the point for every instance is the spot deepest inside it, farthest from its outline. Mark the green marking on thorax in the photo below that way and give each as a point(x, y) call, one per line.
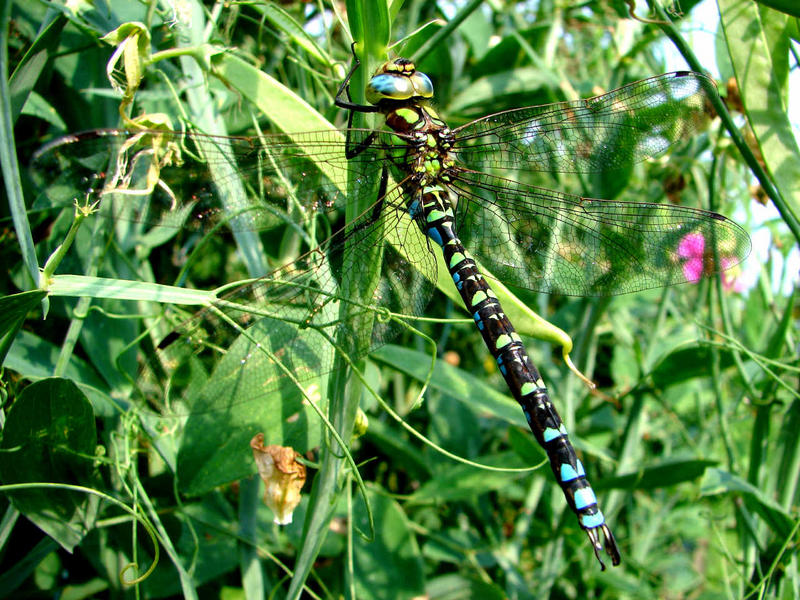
point(432, 167)
point(408, 115)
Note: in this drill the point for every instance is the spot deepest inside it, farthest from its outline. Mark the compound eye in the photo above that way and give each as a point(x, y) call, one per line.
point(422, 85)
point(388, 86)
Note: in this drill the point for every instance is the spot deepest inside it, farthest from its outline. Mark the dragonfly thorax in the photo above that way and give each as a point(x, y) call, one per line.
point(428, 141)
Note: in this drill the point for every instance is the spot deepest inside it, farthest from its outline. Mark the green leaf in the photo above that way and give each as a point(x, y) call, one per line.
point(759, 49)
point(35, 358)
point(13, 310)
point(394, 545)
point(477, 31)
point(14, 576)
point(9, 166)
point(718, 481)
point(228, 409)
point(288, 111)
point(404, 453)
point(460, 587)
point(660, 475)
point(27, 72)
point(465, 482)
point(526, 446)
point(106, 342)
point(790, 7)
point(686, 364)
point(37, 106)
point(488, 90)
point(50, 437)
point(121, 289)
point(454, 382)
point(205, 537)
point(369, 23)
point(283, 21)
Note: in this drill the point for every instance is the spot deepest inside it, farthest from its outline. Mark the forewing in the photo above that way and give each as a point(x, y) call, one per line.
point(290, 320)
point(191, 180)
point(611, 131)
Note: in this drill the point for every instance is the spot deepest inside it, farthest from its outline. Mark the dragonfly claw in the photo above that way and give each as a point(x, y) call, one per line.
point(609, 545)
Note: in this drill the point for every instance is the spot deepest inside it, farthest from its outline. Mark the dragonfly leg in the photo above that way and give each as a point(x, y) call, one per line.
point(344, 90)
point(352, 150)
point(384, 183)
point(377, 208)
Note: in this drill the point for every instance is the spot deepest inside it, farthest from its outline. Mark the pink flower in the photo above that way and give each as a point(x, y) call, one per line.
point(700, 262)
point(692, 247)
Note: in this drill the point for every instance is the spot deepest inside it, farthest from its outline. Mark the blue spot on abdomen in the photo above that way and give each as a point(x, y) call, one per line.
point(584, 497)
point(433, 234)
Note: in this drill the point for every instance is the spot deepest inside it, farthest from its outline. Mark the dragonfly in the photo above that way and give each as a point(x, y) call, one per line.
point(462, 194)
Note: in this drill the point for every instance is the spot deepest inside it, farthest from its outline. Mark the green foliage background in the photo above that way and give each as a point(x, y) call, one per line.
point(690, 441)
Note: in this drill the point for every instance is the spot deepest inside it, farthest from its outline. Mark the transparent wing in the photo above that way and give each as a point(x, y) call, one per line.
point(553, 242)
point(234, 369)
point(611, 131)
point(334, 298)
point(191, 180)
point(295, 319)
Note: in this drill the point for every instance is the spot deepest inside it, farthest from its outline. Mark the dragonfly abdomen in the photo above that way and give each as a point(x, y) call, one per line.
point(521, 375)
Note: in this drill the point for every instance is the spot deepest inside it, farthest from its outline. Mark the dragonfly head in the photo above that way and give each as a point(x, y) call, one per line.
point(398, 81)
